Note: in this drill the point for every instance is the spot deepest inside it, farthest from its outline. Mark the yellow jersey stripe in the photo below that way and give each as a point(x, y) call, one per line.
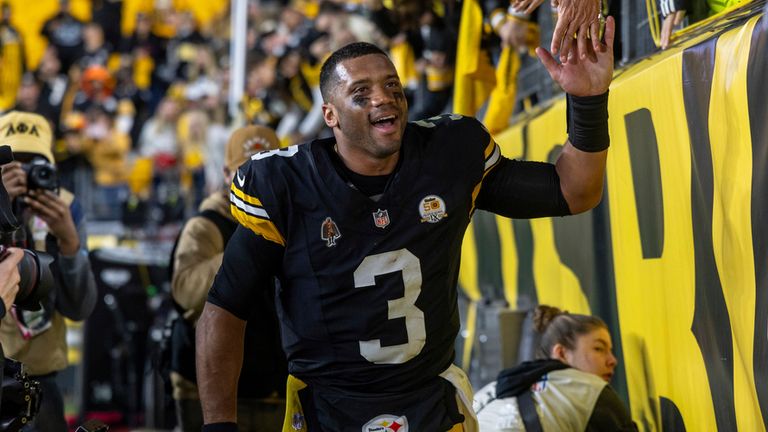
point(244, 196)
point(262, 227)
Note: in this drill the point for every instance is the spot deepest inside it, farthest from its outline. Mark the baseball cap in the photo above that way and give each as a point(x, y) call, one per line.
point(26, 132)
point(246, 141)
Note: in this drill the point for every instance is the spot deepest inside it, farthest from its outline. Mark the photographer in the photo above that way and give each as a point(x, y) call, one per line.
point(51, 222)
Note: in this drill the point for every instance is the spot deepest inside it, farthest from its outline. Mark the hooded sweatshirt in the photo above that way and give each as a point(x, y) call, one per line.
point(566, 399)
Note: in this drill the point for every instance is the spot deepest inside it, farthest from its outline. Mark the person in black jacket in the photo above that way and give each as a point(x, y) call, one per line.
point(566, 389)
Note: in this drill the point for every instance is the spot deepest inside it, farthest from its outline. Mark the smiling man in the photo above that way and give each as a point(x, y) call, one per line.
point(364, 232)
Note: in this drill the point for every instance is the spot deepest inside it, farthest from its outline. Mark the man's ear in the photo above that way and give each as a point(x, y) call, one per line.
point(558, 352)
point(329, 115)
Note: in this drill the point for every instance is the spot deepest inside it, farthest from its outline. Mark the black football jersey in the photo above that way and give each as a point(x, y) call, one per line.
point(368, 288)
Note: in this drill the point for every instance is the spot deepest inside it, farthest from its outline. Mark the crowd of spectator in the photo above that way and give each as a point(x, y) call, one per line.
point(142, 117)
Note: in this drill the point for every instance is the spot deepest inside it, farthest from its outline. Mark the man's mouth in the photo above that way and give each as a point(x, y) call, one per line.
point(387, 123)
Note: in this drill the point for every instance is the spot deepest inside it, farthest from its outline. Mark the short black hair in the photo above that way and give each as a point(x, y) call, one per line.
point(328, 76)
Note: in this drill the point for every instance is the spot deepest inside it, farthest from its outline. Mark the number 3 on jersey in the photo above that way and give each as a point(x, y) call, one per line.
point(410, 268)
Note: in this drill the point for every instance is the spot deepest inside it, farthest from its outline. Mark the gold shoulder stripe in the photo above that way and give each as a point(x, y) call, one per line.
point(260, 226)
point(244, 196)
point(489, 148)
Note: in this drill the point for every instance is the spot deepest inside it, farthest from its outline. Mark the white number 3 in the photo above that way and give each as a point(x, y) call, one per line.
point(365, 276)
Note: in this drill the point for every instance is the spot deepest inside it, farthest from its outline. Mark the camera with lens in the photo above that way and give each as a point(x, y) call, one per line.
point(20, 400)
point(41, 174)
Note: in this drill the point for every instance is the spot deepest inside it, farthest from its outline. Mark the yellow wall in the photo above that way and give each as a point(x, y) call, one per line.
point(656, 296)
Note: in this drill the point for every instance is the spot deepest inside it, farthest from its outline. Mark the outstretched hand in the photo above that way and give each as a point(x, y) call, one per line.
point(575, 17)
point(584, 76)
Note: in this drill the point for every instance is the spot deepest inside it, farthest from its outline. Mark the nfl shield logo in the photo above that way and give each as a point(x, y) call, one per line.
point(381, 218)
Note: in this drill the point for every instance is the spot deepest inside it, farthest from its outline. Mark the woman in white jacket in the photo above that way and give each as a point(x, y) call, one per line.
point(566, 390)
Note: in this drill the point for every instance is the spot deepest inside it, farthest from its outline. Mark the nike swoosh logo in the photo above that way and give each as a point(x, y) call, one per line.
point(240, 180)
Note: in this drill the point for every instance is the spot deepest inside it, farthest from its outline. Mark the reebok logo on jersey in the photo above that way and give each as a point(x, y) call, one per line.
point(329, 232)
point(432, 209)
point(387, 423)
point(240, 180)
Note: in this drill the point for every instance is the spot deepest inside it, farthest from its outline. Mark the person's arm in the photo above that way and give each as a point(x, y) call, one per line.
point(76, 297)
point(198, 257)
point(581, 165)
point(219, 355)
point(580, 18)
point(250, 262)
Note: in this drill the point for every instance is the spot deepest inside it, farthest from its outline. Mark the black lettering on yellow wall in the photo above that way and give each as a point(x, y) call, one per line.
point(671, 419)
point(489, 277)
point(646, 172)
point(711, 324)
point(526, 284)
point(757, 93)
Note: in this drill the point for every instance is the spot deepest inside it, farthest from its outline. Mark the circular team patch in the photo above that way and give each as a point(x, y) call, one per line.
point(432, 209)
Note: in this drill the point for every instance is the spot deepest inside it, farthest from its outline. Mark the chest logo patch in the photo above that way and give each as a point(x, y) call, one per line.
point(381, 218)
point(387, 423)
point(329, 232)
point(432, 209)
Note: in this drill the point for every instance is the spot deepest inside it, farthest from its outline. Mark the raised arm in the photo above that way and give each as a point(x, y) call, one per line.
point(581, 165)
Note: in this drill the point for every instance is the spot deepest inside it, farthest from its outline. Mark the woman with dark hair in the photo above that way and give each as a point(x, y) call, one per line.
point(566, 389)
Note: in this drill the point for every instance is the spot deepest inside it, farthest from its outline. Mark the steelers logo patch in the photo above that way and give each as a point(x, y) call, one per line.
point(387, 423)
point(432, 209)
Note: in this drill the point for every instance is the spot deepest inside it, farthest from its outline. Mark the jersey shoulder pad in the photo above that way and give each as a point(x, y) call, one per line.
point(464, 137)
point(259, 190)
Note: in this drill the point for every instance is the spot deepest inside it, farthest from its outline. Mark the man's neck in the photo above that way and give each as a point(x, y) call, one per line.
point(366, 164)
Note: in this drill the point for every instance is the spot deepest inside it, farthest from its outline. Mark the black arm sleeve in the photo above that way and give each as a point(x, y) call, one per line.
point(610, 414)
point(522, 189)
point(249, 265)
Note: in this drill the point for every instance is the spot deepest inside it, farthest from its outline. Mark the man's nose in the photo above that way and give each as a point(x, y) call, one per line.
point(381, 97)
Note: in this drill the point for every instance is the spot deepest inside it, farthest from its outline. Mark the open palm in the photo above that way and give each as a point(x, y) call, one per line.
point(587, 76)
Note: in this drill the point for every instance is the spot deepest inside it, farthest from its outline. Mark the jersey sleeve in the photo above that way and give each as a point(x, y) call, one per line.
point(523, 189)
point(247, 267)
point(253, 202)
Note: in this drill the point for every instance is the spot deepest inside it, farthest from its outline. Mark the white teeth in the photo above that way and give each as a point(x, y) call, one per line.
point(384, 119)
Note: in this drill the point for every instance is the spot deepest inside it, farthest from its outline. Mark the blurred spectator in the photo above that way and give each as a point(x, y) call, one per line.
point(193, 133)
point(96, 50)
point(435, 67)
point(673, 13)
point(262, 102)
point(54, 83)
point(29, 100)
point(158, 136)
point(65, 32)
point(304, 119)
point(96, 89)
point(106, 148)
point(197, 257)
point(11, 59)
point(108, 15)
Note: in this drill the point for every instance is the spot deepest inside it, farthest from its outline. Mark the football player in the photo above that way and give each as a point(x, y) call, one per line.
point(364, 232)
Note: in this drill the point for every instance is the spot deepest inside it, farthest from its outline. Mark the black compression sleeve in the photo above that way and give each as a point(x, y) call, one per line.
point(522, 189)
point(249, 264)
